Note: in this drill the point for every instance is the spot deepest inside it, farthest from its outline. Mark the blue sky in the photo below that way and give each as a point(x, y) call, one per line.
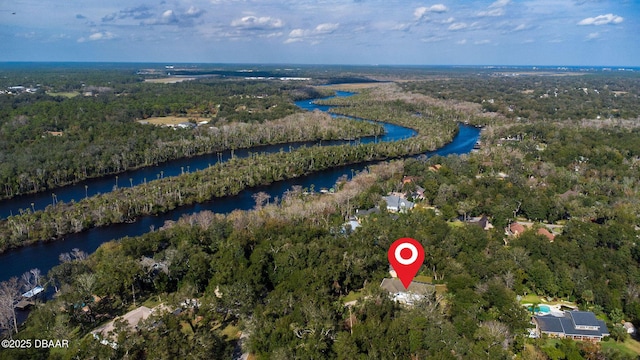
point(502, 32)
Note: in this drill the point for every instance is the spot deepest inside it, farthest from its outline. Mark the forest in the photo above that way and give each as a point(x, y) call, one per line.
point(82, 113)
point(435, 127)
point(288, 280)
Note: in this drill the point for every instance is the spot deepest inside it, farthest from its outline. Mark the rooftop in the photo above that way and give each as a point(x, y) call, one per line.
point(574, 323)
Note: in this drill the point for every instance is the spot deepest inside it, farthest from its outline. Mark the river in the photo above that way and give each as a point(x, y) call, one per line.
point(102, 185)
point(45, 255)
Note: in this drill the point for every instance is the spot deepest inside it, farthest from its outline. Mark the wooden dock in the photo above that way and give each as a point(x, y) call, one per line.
point(24, 304)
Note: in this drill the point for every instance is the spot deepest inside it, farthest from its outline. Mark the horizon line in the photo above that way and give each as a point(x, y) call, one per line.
point(164, 63)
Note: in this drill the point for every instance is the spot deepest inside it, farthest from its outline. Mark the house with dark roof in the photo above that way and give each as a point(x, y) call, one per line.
point(397, 204)
point(360, 214)
point(482, 221)
point(576, 325)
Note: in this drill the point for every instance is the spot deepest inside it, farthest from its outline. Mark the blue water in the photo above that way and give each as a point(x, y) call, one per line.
point(45, 255)
point(540, 309)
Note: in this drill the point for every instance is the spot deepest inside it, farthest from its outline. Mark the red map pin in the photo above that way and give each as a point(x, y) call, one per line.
point(406, 255)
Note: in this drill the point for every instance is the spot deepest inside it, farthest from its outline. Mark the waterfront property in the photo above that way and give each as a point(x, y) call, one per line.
point(416, 291)
point(576, 325)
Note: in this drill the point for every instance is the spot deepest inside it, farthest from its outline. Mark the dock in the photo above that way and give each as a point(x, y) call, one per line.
point(24, 304)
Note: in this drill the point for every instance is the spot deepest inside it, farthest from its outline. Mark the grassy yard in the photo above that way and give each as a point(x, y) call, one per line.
point(353, 295)
point(70, 94)
point(232, 332)
point(171, 120)
point(531, 299)
point(630, 346)
point(535, 299)
point(456, 224)
point(423, 279)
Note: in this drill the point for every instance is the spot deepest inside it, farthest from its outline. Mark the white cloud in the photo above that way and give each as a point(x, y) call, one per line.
point(101, 35)
point(602, 20)
point(520, 27)
point(401, 27)
point(421, 12)
point(495, 9)
point(449, 20)
point(169, 17)
point(482, 42)
point(461, 42)
point(297, 35)
point(492, 12)
point(326, 28)
point(593, 36)
point(499, 4)
point(28, 35)
point(180, 18)
point(438, 8)
point(432, 39)
point(458, 26)
point(257, 23)
point(194, 12)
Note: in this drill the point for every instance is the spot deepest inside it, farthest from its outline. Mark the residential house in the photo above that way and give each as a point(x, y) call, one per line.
point(482, 221)
point(546, 233)
point(397, 204)
point(416, 291)
point(408, 179)
point(418, 193)
point(350, 225)
point(106, 333)
point(514, 229)
point(360, 214)
point(576, 325)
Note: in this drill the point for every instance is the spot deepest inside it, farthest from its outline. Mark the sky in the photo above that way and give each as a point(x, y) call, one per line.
point(367, 32)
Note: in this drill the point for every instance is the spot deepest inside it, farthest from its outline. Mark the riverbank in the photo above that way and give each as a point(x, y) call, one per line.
point(212, 145)
point(44, 254)
point(219, 180)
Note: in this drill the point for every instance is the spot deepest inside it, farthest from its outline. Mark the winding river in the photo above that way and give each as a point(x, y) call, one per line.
point(45, 255)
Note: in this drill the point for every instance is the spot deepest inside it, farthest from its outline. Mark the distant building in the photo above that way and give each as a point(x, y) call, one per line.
point(576, 325)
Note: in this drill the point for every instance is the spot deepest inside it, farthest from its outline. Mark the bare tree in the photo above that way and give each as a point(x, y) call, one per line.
point(494, 333)
point(261, 199)
point(64, 257)
point(26, 281)
point(9, 295)
point(78, 254)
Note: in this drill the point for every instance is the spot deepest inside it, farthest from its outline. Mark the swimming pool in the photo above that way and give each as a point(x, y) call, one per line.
point(540, 309)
